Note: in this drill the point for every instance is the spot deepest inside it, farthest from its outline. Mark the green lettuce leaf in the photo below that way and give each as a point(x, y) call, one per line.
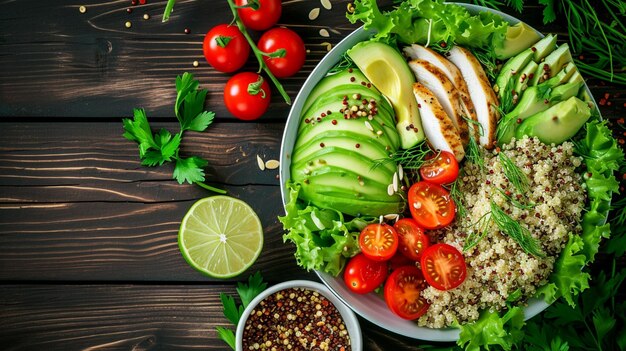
point(491, 329)
point(430, 22)
point(323, 239)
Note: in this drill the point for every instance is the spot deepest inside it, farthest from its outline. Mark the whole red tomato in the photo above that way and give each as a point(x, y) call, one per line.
point(225, 48)
point(247, 95)
point(363, 275)
point(264, 17)
point(292, 58)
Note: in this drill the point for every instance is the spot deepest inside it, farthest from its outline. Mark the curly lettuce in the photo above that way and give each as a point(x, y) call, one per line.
point(430, 21)
point(323, 239)
point(493, 329)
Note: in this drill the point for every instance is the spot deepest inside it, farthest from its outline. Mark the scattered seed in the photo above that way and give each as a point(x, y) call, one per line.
point(328, 46)
point(82, 9)
point(400, 172)
point(390, 189)
point(395, 181)
point(313, 14)
point(391, 216)
point(187, 30)
point(272, 164)
point(260, 162)
point(350, 7)
point(128, 24)
point(326, 3)
point(324, 33)
point(195, 63)
point(369, 126)
point(146, 16)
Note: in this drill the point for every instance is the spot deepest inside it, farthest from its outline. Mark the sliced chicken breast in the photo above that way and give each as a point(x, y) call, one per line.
point(482, 95)
point(418, 52)
point(448, 95)
point(438, 127)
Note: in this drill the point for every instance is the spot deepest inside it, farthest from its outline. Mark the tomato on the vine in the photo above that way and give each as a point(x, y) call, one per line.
point(286, 51)
point(443, 266)
point(247, 95)
point(378, 242)
point(264, 17)
point(412, 240)
point(431, 205)
point(402, 292)
point(442, 168)
point(363, 275)
point(225, 48)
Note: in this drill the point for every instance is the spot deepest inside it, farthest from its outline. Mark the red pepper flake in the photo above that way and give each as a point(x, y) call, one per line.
point(187, 31)
point(622, 141)
point(323, 114)
point(443, 44)
point(533, 49)
point(487, 182)
point(306, 120)
point(607, 95)
point(621, 120)
point(602, 102)
point(334, 122)
point(322, 145)
point(352, 79)
point(581, 57)
point(419, 105)
point(519, 121)
point(357, 145)
point(609, 103)
point(133, 3)
point(350, 70)
point(129, 10)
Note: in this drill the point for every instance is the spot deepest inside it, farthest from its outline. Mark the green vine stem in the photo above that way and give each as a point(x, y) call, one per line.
point(210, 188)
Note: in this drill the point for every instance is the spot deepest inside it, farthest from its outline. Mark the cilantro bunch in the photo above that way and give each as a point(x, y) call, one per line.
point(155, 149)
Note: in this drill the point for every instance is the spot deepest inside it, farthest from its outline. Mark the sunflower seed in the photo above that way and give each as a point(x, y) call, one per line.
point(313, 14)
point(260, 162)
point(326, 3)
point(400, 172)
point(82, 9)
point(327, 44)
point(391, 216)
point(369, 126)
point(324, 33)
point(390, 189)
point(380, 219)
point(272, 164)
point(395, 182)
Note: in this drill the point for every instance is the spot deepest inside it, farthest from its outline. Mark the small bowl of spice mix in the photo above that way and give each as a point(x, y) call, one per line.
point(298, 315)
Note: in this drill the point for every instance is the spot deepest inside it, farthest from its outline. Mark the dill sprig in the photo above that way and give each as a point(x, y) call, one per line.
point(514, 174)
point(473, 152)
point(344, 63)
point(515, 202)
point(457, 196)
point(516, 231)
point(481, 226)
point(410, 159)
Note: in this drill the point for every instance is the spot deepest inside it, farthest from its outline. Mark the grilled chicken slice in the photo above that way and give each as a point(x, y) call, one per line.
point(438, 127)
point(418, 52)
point(448, 95)
point(483, 96)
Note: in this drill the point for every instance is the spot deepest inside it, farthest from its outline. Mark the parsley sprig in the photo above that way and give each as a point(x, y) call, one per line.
point(155, 149)
point(232, 311)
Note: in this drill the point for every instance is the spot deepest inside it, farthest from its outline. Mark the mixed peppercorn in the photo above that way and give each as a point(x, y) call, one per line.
point(295, 319)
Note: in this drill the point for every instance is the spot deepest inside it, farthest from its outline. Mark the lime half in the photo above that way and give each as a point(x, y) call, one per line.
point(220, 236)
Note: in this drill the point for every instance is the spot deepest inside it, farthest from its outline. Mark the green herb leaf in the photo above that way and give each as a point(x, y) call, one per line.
point(516, 231)
point(513, 173)
point(189, 169)
point(138, 129)
point(227, 336)
point(254, 287)
point(185, 85)
point(231, 311)
point(491, 329)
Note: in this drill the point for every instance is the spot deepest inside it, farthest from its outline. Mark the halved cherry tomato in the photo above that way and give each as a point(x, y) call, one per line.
point(443, 266)
point(363, 275)
point(379, 242)
point(412, 240)
point(441, 169)
point(402, 292)
point(293, 56)
point(265, 16)
point(225, 48)
point(431, 205)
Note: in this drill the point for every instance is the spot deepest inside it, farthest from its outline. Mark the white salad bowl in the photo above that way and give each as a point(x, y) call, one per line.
point(370, 306)
point(349, 318)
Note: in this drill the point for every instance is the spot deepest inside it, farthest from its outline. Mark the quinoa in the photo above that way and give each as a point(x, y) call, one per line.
point(497, 266)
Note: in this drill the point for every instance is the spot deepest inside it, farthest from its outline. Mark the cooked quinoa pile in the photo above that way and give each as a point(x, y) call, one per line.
point(497, 266)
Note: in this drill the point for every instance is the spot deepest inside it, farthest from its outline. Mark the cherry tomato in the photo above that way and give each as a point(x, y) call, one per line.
point(294, 51)
point(402, 292)
point(264, 17)
point(411, 238)
point(443, 266)
point(441, 169)
point(398, 260)
point(247, 95)
point(363, 275)
point(378, 242)
point(431, 205)
point(225, 48)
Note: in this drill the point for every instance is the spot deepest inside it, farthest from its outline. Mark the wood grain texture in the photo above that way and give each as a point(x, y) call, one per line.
point(83, 208)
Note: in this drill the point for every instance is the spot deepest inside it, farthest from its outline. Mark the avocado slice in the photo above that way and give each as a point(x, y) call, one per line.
point(352, 76)
point(534, 100)
point(518, 37)
point(525, 75)
point(552, 64)
point(354, 205)
point(558, 123)
point(511, 69)
point(544, 47)
point(385, 67)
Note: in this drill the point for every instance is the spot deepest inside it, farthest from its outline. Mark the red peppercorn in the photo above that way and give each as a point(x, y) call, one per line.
point(187, 31)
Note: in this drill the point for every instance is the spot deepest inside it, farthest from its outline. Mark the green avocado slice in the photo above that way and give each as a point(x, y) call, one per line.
point(352, 76)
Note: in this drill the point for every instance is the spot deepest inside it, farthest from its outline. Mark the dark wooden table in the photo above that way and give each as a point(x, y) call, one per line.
point(88, 237)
